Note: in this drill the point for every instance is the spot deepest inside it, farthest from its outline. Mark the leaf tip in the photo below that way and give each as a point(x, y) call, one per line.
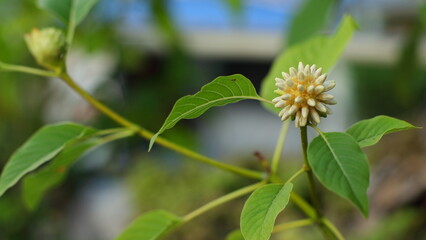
point(152, 141)
point(352, 21)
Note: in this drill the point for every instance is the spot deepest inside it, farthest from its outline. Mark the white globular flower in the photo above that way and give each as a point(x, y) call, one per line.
point(303, 95)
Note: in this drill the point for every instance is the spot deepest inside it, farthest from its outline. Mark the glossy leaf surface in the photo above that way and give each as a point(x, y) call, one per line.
point(368, 132)
point(221, 91)
point(150, 226)
point(68, 10)
point(40, 148)
point(261, 210)
point(341, 166)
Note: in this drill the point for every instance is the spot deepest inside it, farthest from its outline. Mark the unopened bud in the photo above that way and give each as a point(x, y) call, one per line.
point(48, 46)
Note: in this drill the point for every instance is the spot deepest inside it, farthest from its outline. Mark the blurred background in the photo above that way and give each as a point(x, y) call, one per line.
point(139, 57)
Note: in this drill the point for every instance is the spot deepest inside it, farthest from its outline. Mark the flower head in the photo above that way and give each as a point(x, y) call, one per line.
point(48, 46)
point(302, 95)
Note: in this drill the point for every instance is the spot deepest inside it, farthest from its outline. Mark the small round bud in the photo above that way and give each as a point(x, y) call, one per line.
point(48, 47)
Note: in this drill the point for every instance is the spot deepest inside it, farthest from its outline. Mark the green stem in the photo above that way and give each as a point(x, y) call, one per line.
point(29, 70)
point(165, 143)
point(294, 224)
point(302, 170)
point(118, 135)
point(71, 25)
point(328, 229)
point(312, 188)
point(279, 147)
point(221, 200)
point(333, 230)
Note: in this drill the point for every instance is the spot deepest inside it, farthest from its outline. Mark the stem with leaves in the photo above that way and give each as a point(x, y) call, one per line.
point(307, 167)
point(25, 69)
point(329, 231)
point(223, 199)
point(328, 228)
point(162, 141)
point(279, 147)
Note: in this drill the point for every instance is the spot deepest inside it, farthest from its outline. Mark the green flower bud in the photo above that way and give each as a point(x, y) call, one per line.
point(48, 46)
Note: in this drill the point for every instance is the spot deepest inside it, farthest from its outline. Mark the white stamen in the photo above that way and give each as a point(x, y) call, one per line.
point(277, 99)
point(311, 102)
point(301, 76)
point(318, 72)
point(283, 111)
point(300, 87)
point(325, 96)
point(329, 111)
point(314, 115)
point(303, 121)
point(279, 80)
point(311, 89)
point(313, 69)
point(290, 83)
point(319, 89)
point(300, 67)
point(287, 96)
point(285, 116)
point(280, 85)
point(306, 70)
point(298, 99)
point(321, 107)
point(321, 79)
point(293, 72)
point(328, 85)
point(285, 75)
point(280, 104)
point(292, 109)
point(305, 112)
point(297, 120)
point(330, 102)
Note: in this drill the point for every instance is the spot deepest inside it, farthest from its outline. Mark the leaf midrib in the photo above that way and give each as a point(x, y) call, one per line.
point(340, 166)
point(173, 121)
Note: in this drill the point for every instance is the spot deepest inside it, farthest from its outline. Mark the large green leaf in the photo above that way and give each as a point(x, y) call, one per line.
point(38, 183)
point(261, 210)
point(310, 19)
point(151, 226)
point(368, 132)
point(68, 10)
point(44, 145)
point(221, 91)
point(341, 166)
point(35, 185)
point(422, 13)
point(321, 50)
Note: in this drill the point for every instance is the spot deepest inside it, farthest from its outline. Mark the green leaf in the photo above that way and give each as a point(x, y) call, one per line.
point(422, 12)
point(368, 132)
point(322, 51)
point(44, 145)
point(235, 235)
point(311, 18)
point(68, 10)
point(35, 185)
point(151, 226)
point(219, 92)
point(261, 210)
point(341, 166)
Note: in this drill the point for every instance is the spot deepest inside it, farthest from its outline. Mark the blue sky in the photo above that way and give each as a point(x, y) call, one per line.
point(188, 15)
